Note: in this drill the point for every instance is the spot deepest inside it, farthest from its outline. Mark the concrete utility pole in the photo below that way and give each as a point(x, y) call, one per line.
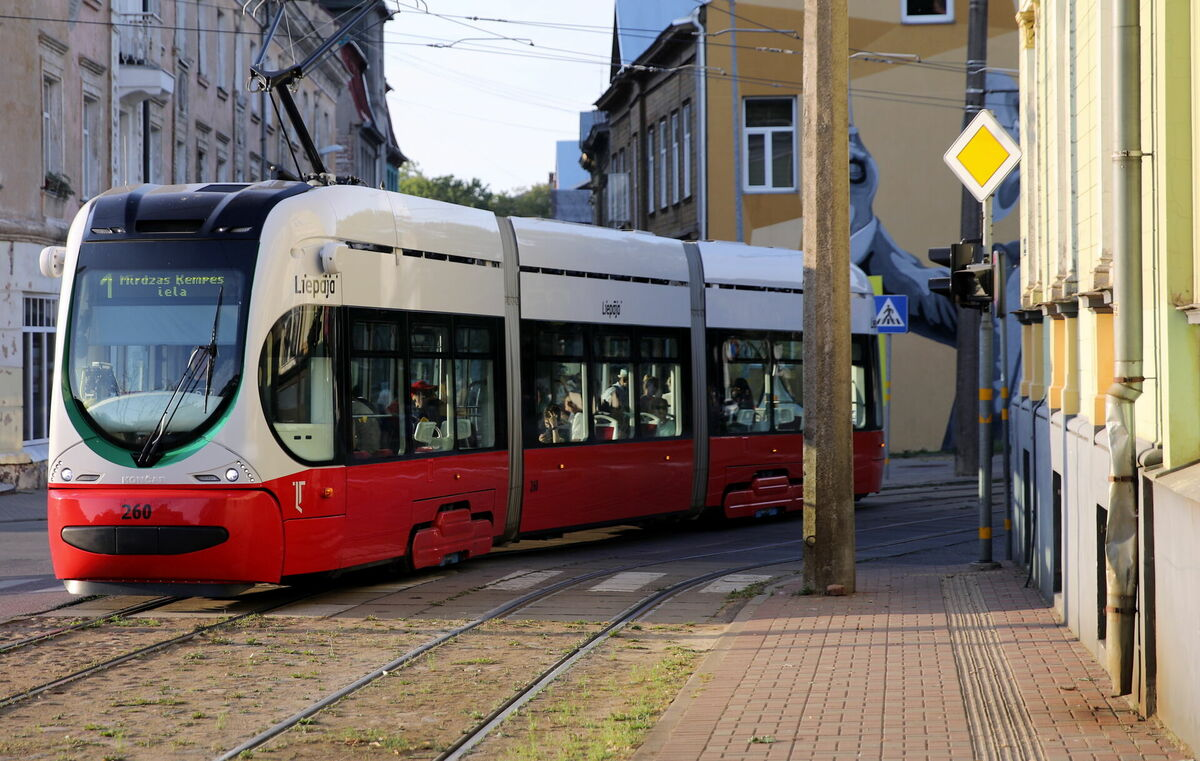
point(966, 442)
point(828, 454)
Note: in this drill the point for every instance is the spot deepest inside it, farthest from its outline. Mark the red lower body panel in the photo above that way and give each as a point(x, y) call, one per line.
point(868, 462)
point(253, 551)
point(750, 474)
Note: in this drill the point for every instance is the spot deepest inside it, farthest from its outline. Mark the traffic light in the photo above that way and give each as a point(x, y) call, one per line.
point(971, 282)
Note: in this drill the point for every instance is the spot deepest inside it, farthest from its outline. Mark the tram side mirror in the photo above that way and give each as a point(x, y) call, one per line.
point(328, 255)
point(51, 260)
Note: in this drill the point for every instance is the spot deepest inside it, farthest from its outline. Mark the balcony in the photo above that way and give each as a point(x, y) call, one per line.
point(142, 73)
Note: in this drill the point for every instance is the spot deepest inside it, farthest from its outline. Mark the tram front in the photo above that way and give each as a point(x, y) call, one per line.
point(143, 494)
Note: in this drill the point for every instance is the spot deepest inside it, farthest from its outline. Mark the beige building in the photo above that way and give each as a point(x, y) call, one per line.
point(698, 136)
point(104, 93)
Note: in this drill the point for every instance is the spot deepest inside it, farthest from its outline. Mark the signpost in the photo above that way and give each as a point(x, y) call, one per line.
point(981, 157)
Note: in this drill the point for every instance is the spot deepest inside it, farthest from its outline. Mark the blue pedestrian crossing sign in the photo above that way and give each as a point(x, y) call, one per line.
point(891, 314)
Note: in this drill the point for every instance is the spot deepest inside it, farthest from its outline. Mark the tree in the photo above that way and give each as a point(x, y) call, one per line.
point(523, 202)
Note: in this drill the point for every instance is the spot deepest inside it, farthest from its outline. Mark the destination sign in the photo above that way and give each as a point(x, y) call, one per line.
point(166, 285)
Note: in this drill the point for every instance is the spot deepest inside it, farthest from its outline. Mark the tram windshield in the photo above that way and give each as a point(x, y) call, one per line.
point(156, 334)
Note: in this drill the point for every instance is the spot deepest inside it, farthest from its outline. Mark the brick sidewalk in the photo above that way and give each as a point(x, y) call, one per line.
point(924, 662)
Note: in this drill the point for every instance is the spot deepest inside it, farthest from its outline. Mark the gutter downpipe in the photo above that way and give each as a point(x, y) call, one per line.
point(701, 125)
point(1121, 542)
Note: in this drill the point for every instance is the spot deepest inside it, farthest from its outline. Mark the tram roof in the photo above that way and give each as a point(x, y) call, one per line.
point(728, 263)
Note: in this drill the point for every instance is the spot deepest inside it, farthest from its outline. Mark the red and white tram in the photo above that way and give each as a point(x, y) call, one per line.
point(258, 382)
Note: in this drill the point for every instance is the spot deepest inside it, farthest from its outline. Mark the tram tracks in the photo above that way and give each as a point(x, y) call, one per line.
point(86, 623)
point(106, 664)
point(432, 666)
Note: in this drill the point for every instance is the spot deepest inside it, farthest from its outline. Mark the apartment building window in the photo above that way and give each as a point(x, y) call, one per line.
point(201, 43)
point(52, 124)
point(663, 174)
point(769, 148)
point(222, 52)
point(201, 162)
point(179, 163)
point(222, 174)
point(37, 334)
point(686, 118)
point(650, 154)
point(93, 134)
point(181, 26)
point(676, 174)
point(927, 11)
point(154, 154)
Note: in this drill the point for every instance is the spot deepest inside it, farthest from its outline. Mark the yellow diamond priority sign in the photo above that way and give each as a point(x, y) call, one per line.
point(983, 155)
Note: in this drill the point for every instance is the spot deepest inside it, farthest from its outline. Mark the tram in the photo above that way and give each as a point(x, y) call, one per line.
point(259, 382)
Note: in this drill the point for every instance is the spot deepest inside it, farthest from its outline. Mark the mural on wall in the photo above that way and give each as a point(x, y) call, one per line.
point(873, 249)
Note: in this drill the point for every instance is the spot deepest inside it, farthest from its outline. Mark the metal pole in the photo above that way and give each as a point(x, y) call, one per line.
point(1001, 307)
point(828, 454)
point(986, 406)
point(967, 335)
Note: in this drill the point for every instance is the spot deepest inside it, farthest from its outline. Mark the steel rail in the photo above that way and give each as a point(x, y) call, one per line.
point(20, 697)
point(91, 622)
point(640, 608)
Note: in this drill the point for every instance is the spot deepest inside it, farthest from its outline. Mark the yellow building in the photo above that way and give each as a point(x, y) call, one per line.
point(698, 136)
point(1106, 428)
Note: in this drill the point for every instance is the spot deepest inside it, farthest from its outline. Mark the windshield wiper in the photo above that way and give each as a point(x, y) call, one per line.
point(200, 357)
point(212, 349)
point(149, 454)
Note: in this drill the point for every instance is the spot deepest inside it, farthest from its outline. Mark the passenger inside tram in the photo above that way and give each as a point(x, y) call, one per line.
point(557, 424)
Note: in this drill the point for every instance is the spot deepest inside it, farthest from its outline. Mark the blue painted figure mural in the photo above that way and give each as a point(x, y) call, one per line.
point(874, 250)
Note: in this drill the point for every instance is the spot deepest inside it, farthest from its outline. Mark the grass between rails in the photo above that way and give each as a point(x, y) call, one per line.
point(603, 711)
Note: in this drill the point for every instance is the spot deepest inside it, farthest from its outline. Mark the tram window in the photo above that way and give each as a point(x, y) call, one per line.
point(660, 400)
point(611, 400)
point(374, 335)
point(474, 403)
point(429, 338)
point(788, 384)
point(560, 341)
point(472, 340)
point(862, 397)
point(377, 427)
point(432, 420)
point(611, 345)
point(746, 385)
point(559, 403)
point(659, 346)
point(296, 382)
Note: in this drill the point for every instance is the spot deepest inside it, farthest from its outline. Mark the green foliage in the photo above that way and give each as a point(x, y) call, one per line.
point(523, 202)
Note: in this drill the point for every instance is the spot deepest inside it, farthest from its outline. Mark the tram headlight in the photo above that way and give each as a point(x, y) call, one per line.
point(232, 475)
point(67, 474)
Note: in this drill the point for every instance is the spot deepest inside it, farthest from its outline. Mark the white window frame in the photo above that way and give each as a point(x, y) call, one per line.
point(91, 127)
point(676, 169)
point(650, 154)
point(768, 134)
point(927, 18)
point(663, 174)
point(222, 51)
point(53, 142)
point(38, 325)
point(201, 43)
point(686, 116)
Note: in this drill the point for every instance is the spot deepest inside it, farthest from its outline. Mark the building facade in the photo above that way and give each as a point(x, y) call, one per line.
point(104, 93)
point(698, 136)
point(1106, 434)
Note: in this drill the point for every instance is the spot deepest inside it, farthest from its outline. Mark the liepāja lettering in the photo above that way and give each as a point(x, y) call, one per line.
point(610, 308)
point(325, 285)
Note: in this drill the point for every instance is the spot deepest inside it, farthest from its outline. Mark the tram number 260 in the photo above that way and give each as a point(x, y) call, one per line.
point(135, 512)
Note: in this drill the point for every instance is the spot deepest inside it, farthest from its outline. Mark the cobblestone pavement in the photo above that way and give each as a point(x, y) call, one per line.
point(930, 659)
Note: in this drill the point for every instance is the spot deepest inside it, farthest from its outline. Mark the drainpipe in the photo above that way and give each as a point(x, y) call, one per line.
point(1121, 543)
point(701, 125)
